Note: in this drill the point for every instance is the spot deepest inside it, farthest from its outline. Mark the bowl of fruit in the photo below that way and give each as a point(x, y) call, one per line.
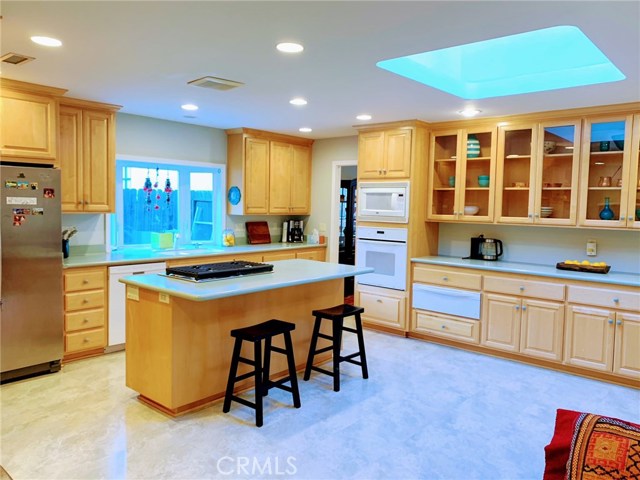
point(584, 266)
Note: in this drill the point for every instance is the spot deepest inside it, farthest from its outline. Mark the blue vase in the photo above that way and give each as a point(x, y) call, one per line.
point(473, 147)
point(606, 213)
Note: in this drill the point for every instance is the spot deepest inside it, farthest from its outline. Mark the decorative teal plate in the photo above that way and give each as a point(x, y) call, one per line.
point(234, 195)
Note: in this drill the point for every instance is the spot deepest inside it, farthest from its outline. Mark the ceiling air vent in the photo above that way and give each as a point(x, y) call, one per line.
point(215, 83)
point(16, 58)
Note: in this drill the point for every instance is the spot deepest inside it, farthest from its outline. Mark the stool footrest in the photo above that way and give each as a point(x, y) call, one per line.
point(244, 375)
point(243, 401)
point(322, 350)
point(349, 329)
point(325, 336)
point(322, 370)
point(348, 358)
point(279, 350)
point(248, 361)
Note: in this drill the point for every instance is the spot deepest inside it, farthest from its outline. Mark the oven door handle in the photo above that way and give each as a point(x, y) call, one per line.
point(378, 242)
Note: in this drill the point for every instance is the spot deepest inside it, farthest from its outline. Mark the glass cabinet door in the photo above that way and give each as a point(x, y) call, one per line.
point(462, 165)
point(606, 155)
point(556, 194)
point(441, 203)
point(516, 174)
point(633, 209)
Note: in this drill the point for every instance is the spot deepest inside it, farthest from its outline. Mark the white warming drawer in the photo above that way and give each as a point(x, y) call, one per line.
point(452, 301)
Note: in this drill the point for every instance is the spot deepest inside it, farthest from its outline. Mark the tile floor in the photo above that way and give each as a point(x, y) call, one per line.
point(426, 412)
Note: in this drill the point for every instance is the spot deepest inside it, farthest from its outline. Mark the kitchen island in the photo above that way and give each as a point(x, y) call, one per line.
point(177, 332)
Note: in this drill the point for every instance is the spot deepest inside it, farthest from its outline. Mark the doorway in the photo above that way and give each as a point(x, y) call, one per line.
point(342, 230)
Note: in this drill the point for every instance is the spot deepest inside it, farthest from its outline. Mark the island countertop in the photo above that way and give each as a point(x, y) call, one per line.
point(286, 273)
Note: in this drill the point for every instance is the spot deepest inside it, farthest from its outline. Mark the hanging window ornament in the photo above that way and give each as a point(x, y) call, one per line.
point(155, 185)
point(168, 189)
point(147, 189)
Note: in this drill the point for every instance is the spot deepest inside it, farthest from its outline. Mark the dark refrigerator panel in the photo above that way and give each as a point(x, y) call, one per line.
point(31, 313)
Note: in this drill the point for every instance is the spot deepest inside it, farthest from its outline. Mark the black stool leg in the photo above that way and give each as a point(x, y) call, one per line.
point(266, 367)
point(363, 355)
point(232, 375)
point(257, 352)
point(312, 348)
point(337, 343)
point(288, 345)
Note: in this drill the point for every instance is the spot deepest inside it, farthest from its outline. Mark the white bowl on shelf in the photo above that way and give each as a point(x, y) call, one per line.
point(471, 209)
point(546, 211)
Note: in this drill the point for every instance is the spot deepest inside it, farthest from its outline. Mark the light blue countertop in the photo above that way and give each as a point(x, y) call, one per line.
point(286, 273)
point(147, 255)
point(617, 278)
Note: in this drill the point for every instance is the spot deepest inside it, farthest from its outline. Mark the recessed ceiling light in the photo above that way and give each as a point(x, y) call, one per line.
point(298, 101)
point(288, 47)
point(469, 112)
point(364, 116)
point(47, 41)
point(304, 129)
point(540, 60)
point(190, 107)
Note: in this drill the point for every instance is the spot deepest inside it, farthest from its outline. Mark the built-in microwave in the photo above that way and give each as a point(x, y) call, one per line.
point(383, 202)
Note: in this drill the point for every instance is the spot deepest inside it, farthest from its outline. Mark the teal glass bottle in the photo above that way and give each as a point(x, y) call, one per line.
point(606, 213)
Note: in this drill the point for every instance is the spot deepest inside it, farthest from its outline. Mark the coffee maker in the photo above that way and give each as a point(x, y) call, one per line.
point(485, 248)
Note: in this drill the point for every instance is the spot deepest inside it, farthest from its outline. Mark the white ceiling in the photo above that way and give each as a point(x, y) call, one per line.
point(142, 54)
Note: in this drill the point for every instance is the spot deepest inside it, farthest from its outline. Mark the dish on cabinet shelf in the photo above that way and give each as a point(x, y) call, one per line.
point(471, 209)
point(519, 184)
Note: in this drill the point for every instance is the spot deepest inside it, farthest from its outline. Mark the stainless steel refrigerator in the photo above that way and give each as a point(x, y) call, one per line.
point(31, 310)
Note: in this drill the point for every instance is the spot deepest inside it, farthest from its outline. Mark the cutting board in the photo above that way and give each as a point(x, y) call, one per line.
point(258, 232)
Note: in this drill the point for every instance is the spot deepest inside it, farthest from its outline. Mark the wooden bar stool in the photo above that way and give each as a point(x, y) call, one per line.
point(337, 315)
point(255, 334)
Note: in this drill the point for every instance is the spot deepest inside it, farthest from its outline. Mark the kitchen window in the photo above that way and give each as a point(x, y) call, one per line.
point(155, 196)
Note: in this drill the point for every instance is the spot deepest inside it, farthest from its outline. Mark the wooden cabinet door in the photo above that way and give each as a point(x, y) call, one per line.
point(442, 202)
point(626, 358)
point(501, 322)
point(70, 158)
point(28, 126)
point(280, 158)
point(541, 329)
point(256, 176)
point(318, 254)
point(370, 154)
point(273, 256)
point(300, 179)
point(397, 153)
point(98, 152)
point(589, 338)
point(633, 177)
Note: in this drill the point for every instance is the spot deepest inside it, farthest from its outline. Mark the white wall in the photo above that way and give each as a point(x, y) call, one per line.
point(547, 245)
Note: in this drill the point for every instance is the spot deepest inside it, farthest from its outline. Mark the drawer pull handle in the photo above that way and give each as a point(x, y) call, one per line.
point(85, 320)
point(517, 307)
point(619, 322)
point(524, 307)
point(85, 281)
point(443, 327)
point(616, 300)
point(86, 340)
point(522, 288)
point(446, 279)
point(610, 321)
point(84, 300)
point(379, 301)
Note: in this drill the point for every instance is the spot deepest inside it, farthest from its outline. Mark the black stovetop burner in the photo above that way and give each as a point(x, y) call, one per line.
point(213, 271)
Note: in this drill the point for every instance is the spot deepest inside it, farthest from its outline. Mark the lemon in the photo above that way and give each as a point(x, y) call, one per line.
point(586, 262)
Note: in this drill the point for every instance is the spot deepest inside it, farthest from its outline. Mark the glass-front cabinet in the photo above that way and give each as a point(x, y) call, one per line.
point(462, 166)
point(609, 173)
point(633, 209)
point(537, 173)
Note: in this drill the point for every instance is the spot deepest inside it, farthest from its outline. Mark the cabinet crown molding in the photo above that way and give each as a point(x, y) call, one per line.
point(278, 137)
point(31, 87)
point(77, 102)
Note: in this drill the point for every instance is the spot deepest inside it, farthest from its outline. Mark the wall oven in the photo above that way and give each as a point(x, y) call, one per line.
point(383, 202)
point(384, 250)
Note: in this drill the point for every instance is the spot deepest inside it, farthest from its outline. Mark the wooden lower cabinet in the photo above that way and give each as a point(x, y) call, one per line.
point(604, 340)
point(317, 254)
point(382, 308)
point(528, 326)
point(85, 312)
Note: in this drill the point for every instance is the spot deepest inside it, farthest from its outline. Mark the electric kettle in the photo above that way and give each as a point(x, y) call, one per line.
point(485, 248)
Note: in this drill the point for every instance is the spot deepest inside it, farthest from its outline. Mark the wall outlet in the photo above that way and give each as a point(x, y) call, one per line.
point(592, 250)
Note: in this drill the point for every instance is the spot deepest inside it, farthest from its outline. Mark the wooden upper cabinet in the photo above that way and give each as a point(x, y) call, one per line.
point(385, 154)
point(86, 155)
point(28, 121)
point(256, 178)
point(272, 171)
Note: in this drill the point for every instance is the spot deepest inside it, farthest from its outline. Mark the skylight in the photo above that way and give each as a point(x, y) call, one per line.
point(547, 59)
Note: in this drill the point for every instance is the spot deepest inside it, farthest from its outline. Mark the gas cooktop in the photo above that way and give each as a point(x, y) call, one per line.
point(217, 271)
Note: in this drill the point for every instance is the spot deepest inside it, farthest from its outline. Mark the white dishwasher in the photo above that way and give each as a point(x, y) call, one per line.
point(117, 298)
